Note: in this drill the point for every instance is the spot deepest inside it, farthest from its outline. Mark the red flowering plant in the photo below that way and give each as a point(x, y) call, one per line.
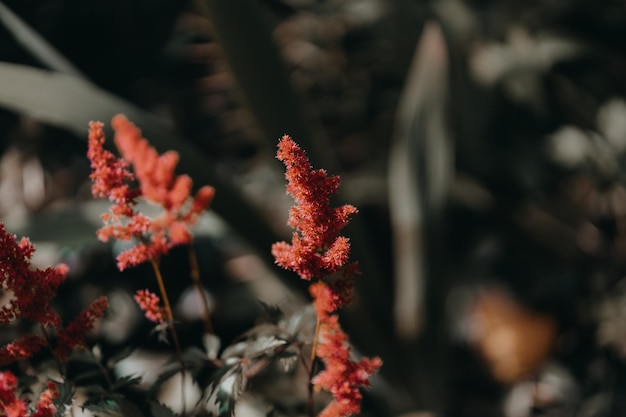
point(13, 406)
point(276, 347)
point(318, 253)
point(157, 183)
point(28, 293)
point(111, 178)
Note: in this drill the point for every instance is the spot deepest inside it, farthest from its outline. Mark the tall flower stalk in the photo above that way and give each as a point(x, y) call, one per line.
point(112, 178)
point(317, 253)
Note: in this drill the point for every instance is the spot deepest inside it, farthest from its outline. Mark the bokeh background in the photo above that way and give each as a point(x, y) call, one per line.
point(482, 141)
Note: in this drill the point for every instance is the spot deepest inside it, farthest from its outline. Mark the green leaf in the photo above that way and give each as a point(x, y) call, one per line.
point(84, 356)
point(163, 376)
point(196, 359)
point(129, 409)
point(94, 390)
point(225, 390)
point(69, 102)
point(212, 344)
point(114, 407)
point(121, 355)
point(64, 399)
point(259, 340)
point(271, 314)
point(88, 375)
point(160, 410)
point(104, 408)
point(288, 358)
point(125, 381)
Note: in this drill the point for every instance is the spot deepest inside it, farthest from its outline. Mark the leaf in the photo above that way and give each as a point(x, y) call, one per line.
point(94, 390)
point(119, 356)
point(161, 331)
point(103, 408)
point(301, 324)
point(129, 409)
point(125, 381)
point(288, 358)
point(256, 341)
point(114, 407)
point(225, 391)
point(163, 376)
point(271, 314)
point(194, 358)
point(227, 398)
point(88, 375)
point(211, 344)
point(160, 410)
point(83, 356)
point(264, 346)
point(64, 399)
point(69, 102)
point(235, 350)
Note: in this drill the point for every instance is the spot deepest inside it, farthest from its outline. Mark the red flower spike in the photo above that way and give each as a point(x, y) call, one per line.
point(150, 304)
point(73, 335)
point(157, 183)
point(317, 251)
point(109, 174)
point(21, 349)
point(10, 405)
point(341, 376)
point(45, 405)
point(325, 300)
point(32, 289)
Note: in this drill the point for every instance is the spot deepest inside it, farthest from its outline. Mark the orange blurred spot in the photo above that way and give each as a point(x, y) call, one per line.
point(513, 340)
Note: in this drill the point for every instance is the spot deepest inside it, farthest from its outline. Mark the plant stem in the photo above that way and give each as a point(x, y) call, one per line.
point(56, 358)
point(318, 325)
point(312, 369)
point(103, 370)
point(170, 320)
point(195, 277)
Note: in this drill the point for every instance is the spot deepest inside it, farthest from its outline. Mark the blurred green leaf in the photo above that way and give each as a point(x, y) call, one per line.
point(69, 102)
point(64, 398)
point(125, 382)
point(159, 410)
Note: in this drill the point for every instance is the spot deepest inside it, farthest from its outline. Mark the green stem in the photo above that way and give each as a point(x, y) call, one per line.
point(59, 364)
point(170, 321)
point(195, 277)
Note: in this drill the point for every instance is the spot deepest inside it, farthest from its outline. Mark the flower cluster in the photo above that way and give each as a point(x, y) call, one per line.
point(150, 303)
point(112, 179)
point(23, 348)
point(73, 335)
point(341, 376)
point(12, 406)
point(317, 252)
point(32, 291)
